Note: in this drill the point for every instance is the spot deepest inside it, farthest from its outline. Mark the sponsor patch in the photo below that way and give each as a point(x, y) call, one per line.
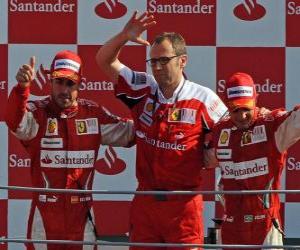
point(87, 126)
point(66, 64)
point(52, 127)
point(259, 217)
point(240, 91)
point(245, 169)
point(224, 138)
point(47, 198)
point(224, 154)
point(257, 135)
point(52, 143)
point(67, 159)
point(77, 199)
point(184, 115)
point(248, 218)
point(139, 78)
point(149, 107)
point(147, 120)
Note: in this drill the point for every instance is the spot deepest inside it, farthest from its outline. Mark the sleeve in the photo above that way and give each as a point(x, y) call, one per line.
point(132, 86)
point(288, 131)
point(214, 109)
point(116, 131)
point(19, 114)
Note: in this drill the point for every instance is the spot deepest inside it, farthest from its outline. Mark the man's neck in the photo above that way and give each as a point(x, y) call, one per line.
point(169, 90)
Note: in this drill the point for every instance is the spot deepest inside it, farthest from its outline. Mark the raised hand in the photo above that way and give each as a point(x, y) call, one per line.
point(26, 73)
point(137, 25)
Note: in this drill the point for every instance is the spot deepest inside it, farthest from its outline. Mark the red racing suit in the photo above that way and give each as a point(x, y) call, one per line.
point(63, 146)
point(254, 160)
point(169, 139)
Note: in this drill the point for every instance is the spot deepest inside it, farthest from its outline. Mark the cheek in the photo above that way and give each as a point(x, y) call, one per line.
point(74, 94)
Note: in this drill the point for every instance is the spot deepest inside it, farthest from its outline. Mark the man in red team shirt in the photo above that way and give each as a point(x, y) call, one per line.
point(171, 115)
point(62, 135)
point(251, 152)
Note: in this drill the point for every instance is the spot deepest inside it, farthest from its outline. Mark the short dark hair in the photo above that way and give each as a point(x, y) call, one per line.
point(177, 41)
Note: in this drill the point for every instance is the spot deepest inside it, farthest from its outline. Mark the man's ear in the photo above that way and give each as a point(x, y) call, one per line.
point(183, 61)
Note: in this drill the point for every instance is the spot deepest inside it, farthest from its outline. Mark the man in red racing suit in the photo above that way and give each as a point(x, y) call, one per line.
point(251, 151)
point(171, 115)
point(62, 135)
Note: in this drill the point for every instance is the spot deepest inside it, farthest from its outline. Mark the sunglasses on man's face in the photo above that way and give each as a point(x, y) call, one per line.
point(162, 60)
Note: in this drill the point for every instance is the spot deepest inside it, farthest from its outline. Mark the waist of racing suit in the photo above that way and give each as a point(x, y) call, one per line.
point(172, 197)
point(62, 198)
point(246, 218)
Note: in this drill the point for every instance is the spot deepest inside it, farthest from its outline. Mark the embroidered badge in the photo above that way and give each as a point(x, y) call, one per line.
point(87, 126)
point(52, 127)
point(224, 138)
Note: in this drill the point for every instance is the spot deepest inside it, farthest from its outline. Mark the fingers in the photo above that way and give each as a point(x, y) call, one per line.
point(32, 62)
point(25, 73)
point(142, 41)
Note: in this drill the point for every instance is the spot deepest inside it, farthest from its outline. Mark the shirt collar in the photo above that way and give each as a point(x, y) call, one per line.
point(161, 97)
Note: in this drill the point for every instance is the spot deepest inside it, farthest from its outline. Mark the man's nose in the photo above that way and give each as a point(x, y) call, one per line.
point(64, 88)
point(243, 115)
point(157, 66)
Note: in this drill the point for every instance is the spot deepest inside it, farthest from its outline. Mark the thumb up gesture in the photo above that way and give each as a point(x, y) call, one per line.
point(26, 73)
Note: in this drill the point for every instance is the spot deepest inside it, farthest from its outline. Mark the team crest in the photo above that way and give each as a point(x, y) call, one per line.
point(87, 126)
point(224, 138)
point(174, 115)
point(184, 115)
point(52, 127)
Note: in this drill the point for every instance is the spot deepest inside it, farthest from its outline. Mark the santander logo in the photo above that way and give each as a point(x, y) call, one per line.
point(250, 10)
point(46, 160)
point(40, 86)
point(110, 164)
point(111, 9)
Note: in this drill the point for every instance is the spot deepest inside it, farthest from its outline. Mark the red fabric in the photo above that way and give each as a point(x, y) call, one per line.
point(178, 219)
point(238, 100)
point(257, 165)
point(68, 164)
point(63, 69)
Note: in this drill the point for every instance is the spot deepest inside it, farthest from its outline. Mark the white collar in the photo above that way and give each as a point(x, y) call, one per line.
point(172, 99)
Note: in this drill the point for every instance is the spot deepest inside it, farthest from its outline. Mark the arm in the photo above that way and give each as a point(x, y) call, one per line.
point(107, 55)
point(116, 131)
point(21, 121)
point(288, 132)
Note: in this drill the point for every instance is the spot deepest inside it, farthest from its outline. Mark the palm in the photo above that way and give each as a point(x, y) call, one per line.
point(137, 25)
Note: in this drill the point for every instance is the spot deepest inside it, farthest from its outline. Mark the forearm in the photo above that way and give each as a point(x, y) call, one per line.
point(16, 106)
point(107, 56)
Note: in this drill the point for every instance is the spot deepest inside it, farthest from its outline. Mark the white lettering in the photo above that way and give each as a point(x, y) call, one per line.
point(244, 170)
point(96, 85)
point(57, 6)
point(161, 144)
point(221, 86)
point(292, 164)
point(293, 9)
point(266, 87)
point(197, 8)
point(67, 159)
point(14, 161)
point(2, 85)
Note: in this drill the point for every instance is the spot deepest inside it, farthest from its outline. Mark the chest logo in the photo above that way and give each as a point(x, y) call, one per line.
point(87, 126)
point(184, 115)
point(257, 135)
point(52, 127)
point(224, 138)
